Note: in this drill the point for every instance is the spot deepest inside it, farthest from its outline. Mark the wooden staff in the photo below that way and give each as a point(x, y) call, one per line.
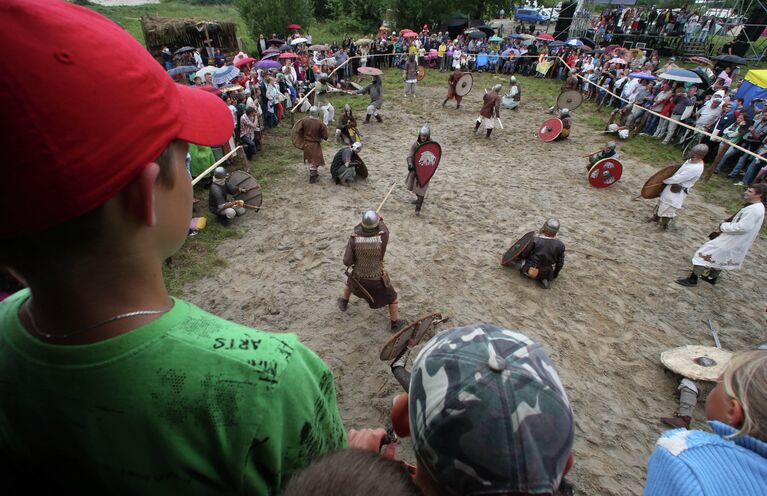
point(386, 197)
point(210, 169)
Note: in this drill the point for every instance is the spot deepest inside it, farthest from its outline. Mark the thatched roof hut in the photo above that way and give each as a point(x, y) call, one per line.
point(176, 33)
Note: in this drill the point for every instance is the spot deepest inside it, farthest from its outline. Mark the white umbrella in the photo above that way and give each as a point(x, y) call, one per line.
point(208, 69)
point(682, 75)
point(298, 41)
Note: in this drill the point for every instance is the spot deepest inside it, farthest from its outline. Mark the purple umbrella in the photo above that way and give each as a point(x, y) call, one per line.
point(268, 64)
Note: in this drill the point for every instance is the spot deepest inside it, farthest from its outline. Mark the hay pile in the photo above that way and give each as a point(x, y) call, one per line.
point(176, 33)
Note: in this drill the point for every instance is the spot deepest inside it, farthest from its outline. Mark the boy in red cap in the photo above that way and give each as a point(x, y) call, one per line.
point(108, 384)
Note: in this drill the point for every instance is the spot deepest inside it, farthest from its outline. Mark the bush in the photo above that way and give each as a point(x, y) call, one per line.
point(273, 16)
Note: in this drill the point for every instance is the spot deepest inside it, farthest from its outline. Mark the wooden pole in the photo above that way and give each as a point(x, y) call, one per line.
point(210, 169)
point(386, 197)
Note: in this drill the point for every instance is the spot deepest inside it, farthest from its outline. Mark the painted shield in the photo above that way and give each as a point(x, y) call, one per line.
point(369, 71)
point(416, 329)
point(605, 172)
point(426, 160)
point(653, 187)
point(550, 129)
point(252, 196)
point(421, 73)
point(465, 82)
point(297, 135)
point(519, 249)
point(570, 99)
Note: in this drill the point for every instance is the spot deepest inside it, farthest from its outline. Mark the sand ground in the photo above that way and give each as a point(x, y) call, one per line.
point(605, 321)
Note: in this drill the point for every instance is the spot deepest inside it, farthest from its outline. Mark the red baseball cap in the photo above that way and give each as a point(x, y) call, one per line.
point(84, 108)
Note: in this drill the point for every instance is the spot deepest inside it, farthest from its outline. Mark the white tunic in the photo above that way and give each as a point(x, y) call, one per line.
point(687, 175)
point(728, 250)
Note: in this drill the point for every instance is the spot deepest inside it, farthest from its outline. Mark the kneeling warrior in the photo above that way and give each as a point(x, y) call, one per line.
point(346, 130)
point(368, 280)
point(491, 108)
point(343, 167)
point(219, 189)
point(546, 256)
point(411, 181)
point(567, 123)
point(512, 99)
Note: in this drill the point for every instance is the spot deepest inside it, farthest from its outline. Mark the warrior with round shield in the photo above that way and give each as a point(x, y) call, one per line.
point(678, 185)
point(224, 210)
point(422, 162)
point(513, 97)
point(491, 108)
point(571, 84)
point(607, 152)
point(542, 257)
point(375, 90)
point(452, 83)
point(309, 134)
point(347, 165)
point(346, 130)
point(411, 75)
point(368, 279)
point(567, 123)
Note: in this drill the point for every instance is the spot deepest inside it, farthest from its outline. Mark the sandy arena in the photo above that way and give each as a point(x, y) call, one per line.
point(605, 321)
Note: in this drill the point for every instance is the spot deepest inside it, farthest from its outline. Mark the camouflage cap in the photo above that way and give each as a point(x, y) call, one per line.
point(488, 413)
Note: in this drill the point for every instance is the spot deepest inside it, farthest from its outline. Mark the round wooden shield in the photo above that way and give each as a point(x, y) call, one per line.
point(252, 197)
point(653, 187)
point(518, 249)
point(702, 363)
point(297, 135)
point(421, 73)
point(465, 82)
point(416, 329)
point(426, 161)
point(359, 166)
point(570, 99)
point(550, 129)
point(605, 172)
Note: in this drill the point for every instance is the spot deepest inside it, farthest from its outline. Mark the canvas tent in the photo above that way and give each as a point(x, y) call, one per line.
point(753, 86)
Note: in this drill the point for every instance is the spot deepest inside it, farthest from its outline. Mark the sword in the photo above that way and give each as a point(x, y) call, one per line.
point(715, 334)
point(499, 122)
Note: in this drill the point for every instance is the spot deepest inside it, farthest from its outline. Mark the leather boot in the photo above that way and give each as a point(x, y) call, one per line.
point(476, 125)
point(445, 102)
point(677, 421)
point(367, 119)
point(398, 324)
point(343, 304)
point(709, 279)
point(690, 281)
point(379, 118)
point(313, 179)
point(419, 205)
point(488, 131)
point(654, 218)
point(664, 221)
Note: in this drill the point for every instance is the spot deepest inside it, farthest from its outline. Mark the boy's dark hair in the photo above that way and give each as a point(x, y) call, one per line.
point(761, 189)
point(352, 472)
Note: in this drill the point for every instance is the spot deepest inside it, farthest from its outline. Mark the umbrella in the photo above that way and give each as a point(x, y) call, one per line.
point(545, 36)
point(230, 87)
point(599, 51)
point(185, 49)
point(616, 60)
point(495, 39)
point(364, 41)
point(527, 36)
point(209, 89)
point(610, 48)
point(682, 75)
point(285, 48)
point(731, 59)
point(574, 42)
point(270, 56)
point(269, 51)
point(585, 48)
point(208, 69)
point(243, 61)
point(406, 30)
point(477, 34)
point(410, 35)
point(318, 48)
point(287, 55)
point(276, 41)
point(588, 41)
point(556, 44)
point(701, 61)
point(486, 29)
point(268, 64)
point(641, 75)
point(298, 41)
point(516, 36)
point(225, 74)
point(294, 26)
point(184, 69)
point(369, 71)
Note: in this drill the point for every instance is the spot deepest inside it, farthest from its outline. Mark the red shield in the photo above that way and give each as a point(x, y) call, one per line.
point(426, 160)
point(519, 249)
point(605, 172)
point(550, 129)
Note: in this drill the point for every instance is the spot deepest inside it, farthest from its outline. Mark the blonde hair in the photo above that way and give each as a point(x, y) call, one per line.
point(745, 380)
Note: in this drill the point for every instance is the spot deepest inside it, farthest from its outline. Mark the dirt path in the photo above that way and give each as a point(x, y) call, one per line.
point(605, 321)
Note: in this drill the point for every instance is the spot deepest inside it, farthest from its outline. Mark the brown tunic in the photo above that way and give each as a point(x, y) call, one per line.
point(379, 288)
point(571, 83)
point(314, 131)
point(411, 181)
point(452, 83)
point(491, 105)
point(411, 70)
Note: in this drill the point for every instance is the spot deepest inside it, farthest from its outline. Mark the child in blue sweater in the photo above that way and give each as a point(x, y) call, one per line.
point(733, 458)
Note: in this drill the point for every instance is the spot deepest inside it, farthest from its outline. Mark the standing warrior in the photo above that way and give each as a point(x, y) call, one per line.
point(322, 90)
point(314, 131)
point(375, 90)
point(672, 197)
point(346, 130)
point(546, 257)
point(452, 81)
point(368, 280)
point(512, 99)
point(411, 75)
point(731, 241)
point(491, 108)
point(411, 181)
point(343, 168)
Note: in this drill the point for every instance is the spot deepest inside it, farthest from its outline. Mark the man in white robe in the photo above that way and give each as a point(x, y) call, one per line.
point(672, 197)
point(731, 242)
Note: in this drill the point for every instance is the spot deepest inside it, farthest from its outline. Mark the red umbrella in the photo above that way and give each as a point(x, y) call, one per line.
point(243, 61)
point(287, 55)
point(403, 31)
point(410, 35)
point(294, 26)
point(545, 36)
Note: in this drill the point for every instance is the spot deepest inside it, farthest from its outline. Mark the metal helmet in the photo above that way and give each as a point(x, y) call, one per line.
point(497, 88)
point(572, 72)
point(219, 173)
point(564, 112)
point(513, 80)
point(357, 146)
point(370, 219)
point(323, 77)
point(314, 111)
point(551, 225)
point(347, 108)
point(611, 145)
point(425, 131)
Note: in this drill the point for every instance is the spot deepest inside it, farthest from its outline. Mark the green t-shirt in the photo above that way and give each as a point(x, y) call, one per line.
point(188, 404)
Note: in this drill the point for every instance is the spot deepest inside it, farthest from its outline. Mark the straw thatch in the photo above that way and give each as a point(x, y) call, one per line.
point(176, 33)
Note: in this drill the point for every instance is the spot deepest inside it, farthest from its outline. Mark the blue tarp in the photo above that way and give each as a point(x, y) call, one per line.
point(751, 88)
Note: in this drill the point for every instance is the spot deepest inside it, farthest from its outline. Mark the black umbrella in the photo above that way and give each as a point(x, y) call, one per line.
point(285, 48)
point(477, 34)
point(276, 41)
point(184, 69)
point(588, 41)
point(185, 49)
point(487, 30)
point(705, 82)
point(730, 59)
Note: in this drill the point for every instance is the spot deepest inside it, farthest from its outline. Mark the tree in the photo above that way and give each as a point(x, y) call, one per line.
point(273, 16)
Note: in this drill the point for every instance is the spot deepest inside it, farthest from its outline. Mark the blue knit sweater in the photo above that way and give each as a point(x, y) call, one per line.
point(699, 463)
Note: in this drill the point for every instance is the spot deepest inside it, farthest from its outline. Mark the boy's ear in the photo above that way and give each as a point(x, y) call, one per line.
point(139, 195)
